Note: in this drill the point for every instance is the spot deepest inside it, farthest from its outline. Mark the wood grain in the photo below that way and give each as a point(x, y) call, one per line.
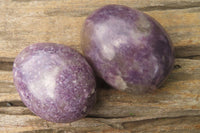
point(24, 22)
point(173, 108)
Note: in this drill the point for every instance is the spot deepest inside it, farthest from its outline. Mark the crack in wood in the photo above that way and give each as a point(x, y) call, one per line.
point(172, 6)
point(6, 66)
point(11, 103)
point(108, 117)
point(164, 6)
point(187, 51)
point(193, 57)
point(160, 121)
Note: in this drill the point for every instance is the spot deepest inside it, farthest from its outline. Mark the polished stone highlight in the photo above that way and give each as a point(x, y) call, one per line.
point(55, 82)
point(127, 48)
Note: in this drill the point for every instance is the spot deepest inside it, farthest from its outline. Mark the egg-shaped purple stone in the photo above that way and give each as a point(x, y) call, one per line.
point(127, 48)
point(55, 82)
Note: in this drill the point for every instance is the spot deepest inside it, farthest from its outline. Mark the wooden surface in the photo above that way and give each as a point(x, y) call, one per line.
point(173, 108)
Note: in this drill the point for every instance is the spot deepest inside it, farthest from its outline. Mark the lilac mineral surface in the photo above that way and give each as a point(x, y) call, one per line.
point(55, 82)
point(127, 48)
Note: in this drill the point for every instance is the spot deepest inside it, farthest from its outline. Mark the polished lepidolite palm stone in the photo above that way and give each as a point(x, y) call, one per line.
point(55, 82)
point(127, 48)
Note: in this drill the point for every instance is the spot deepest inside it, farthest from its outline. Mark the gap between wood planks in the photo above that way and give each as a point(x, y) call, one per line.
point(163, 5)
point(178, 95)
point(187, 52)
point(60, 22)
point(174, 107)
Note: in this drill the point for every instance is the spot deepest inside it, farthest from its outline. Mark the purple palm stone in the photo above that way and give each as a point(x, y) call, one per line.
point(127, 48)
point(55, 82)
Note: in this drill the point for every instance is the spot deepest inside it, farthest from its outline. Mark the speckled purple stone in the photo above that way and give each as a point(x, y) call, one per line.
point(127, 48)
point(55, 82)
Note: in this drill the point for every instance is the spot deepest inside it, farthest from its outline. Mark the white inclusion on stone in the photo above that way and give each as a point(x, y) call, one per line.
point(14, 65)
point(109, 38)
point(156, 69)
point(107, 50)
point(22, 58)
point(143, 24)
point(120, 40)
point(45, 82)
point(15, 74)
point(27, 65)
point(31, 47)
point(93, 90)
point(153, 60)
point(84, 109)
point(49, 81)
point(120, 83)
point(74, 81)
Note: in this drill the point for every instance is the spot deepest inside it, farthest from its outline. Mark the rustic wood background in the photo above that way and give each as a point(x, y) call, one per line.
point(173, 108)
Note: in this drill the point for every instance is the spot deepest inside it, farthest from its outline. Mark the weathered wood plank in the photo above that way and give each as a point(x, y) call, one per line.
point(183, 124)
point(6, 76)
point(60, 21)
point(192, 51)
point(172, 108)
